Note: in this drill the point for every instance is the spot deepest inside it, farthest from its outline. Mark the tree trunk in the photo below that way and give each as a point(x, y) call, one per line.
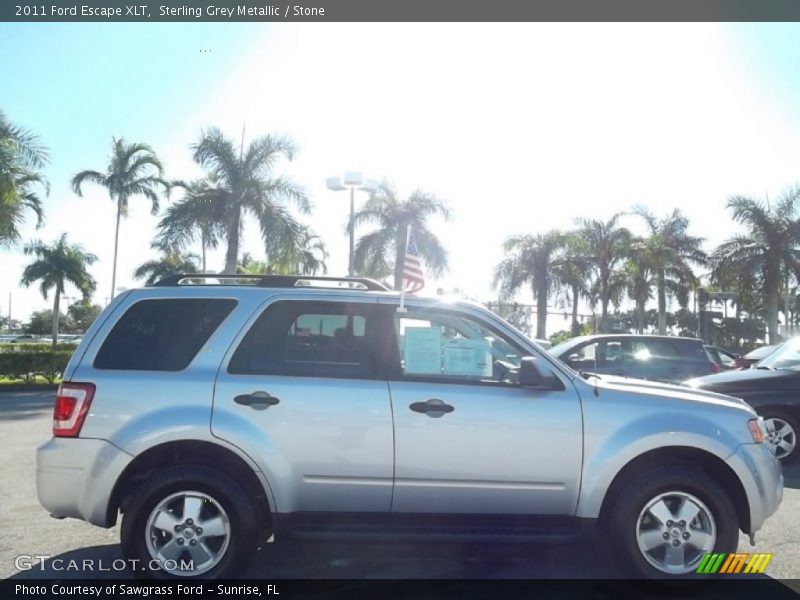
point(541, 313)
point(203, 245)
point(232, 253)
point(604, 313)
point(399, 257)
point(576, 328)
point(662, 304)
point(640, 316)
point(771, 296)
point(116, 244)
point(56, 310)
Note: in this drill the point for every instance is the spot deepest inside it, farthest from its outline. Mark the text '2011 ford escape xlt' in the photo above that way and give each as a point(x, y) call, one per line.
point(215, 412)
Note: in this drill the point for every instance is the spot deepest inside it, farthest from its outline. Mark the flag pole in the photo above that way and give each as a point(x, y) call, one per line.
point(402, 307)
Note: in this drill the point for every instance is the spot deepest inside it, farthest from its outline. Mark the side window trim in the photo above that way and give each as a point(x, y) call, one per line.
point(393, 369)
point(105, 358)
point(313, 306)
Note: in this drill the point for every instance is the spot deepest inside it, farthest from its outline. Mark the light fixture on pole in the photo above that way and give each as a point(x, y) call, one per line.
point(354, 181)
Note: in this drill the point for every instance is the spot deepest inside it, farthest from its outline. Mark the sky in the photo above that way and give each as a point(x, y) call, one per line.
point(519, 127)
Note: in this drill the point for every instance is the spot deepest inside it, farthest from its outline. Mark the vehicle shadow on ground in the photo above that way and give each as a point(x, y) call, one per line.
point(15, 406)
point(791, 476)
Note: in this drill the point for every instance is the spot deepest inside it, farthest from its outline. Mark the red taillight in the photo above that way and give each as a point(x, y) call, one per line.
point(72, 405)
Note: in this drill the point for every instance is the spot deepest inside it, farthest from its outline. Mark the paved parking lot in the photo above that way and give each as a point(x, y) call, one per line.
point(25, 420)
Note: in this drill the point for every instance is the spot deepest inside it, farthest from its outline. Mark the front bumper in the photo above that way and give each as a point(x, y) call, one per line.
point(76, 476)
point(761, 475)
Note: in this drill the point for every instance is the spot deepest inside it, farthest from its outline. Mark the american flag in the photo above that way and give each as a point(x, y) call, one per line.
point(413, 276)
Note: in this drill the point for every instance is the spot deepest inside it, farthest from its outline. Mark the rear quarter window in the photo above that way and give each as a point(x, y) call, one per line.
point(162, 334)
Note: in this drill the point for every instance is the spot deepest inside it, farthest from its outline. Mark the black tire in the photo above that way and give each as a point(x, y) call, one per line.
point(647, 487)
point(224, 493)
point(791, 422)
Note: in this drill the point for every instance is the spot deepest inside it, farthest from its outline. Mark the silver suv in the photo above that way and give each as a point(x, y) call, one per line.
point(216, 413)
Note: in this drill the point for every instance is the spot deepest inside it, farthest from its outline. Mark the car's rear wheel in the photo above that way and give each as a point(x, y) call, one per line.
point(781, 435)
point(668, 519)
point(189, 522)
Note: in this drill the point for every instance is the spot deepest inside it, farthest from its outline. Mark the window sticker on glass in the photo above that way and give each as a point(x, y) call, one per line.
point(422, 353)
point(467, 357)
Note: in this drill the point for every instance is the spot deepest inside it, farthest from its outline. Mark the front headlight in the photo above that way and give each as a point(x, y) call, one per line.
point(757, 429)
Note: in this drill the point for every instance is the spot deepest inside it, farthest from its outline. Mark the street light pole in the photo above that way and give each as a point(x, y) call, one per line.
point(352, 180)
point(352, 232)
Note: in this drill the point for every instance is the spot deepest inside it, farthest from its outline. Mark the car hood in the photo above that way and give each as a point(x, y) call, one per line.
point(729, 382)
point(666, 391)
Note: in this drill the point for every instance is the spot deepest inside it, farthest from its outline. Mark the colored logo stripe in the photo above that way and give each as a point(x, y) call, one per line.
point(758, 563)
point(734, 563)
point(711, 563)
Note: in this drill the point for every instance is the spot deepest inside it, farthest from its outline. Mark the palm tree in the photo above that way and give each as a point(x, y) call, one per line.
point(21, 158)
point(307, 259)
point(530, 259)
point(245, 185)
point(250, 266)
point(54, 266)
point(607, 246)
point(169, 263)
point(134, 170)
point(571, 272)
point(639, 280)
point(393, 216)
point(769, 250)
point(671, 251)
point(201, 212)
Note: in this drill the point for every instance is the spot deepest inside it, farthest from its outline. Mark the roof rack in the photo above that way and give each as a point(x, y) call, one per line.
point(273, 281)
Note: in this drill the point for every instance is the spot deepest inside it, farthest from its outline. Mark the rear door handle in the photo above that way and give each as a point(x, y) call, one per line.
point(257, 400)
point(433, 408)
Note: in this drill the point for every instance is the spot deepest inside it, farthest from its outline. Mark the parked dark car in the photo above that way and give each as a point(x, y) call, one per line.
point(772, 388)
point(724, 359)
point(656, 357)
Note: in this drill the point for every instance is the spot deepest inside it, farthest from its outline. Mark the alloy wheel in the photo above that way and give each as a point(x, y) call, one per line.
point(674, 532)
point(188, 533)
point(781, 437)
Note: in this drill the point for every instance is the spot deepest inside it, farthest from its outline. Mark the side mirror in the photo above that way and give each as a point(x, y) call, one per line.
point(529, 374)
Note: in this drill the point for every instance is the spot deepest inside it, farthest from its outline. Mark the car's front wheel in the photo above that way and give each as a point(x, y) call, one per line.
point(668, 519)
point(189, 522)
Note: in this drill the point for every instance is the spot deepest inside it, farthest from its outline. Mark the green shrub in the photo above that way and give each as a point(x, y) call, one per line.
point(31, 347)
point(28, 365)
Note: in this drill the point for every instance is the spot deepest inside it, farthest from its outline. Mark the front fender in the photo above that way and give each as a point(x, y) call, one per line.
point(607, 455)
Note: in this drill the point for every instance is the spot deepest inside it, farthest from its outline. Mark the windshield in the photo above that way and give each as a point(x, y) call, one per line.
point(787, 356)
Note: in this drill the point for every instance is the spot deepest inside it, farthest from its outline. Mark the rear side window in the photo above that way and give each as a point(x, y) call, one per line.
point(162, 335)
point(312, 339)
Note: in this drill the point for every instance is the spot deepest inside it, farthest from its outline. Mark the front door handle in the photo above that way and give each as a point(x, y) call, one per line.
point(257, 400)
point(433, 408)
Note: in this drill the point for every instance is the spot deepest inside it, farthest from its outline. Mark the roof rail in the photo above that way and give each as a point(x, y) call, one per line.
point(273, 281)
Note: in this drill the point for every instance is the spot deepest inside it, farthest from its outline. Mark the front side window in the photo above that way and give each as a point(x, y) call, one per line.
point(162, 334)
point(452, 347)
point(315, 339)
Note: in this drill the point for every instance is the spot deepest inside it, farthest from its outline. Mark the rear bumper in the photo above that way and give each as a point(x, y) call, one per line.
point(761, 475)
point(75, 477)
